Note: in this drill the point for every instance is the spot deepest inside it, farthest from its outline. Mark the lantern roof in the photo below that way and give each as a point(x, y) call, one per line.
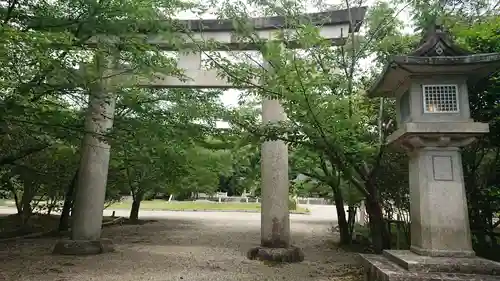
point(436, 55)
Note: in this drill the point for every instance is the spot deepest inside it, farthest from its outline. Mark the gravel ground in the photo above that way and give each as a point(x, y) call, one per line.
point(184, 246)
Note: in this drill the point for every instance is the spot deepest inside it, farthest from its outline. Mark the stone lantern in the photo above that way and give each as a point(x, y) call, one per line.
point(431, 91)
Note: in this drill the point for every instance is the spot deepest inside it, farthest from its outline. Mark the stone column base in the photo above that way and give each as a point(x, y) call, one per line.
point(282, 255)
point(83, 247)
point(400, 265)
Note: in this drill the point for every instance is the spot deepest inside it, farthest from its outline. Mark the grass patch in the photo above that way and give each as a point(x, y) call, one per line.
point(162, 205)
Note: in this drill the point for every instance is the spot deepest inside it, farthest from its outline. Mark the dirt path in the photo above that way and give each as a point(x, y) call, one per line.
point(183, 246)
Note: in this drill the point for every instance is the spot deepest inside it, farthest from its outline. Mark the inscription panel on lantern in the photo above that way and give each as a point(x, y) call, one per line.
point(442, 167)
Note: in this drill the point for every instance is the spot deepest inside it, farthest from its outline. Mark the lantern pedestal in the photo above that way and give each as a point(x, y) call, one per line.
point(441, 247)
point(439, 214)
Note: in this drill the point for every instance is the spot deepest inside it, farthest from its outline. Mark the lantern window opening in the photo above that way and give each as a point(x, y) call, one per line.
point(440, 98)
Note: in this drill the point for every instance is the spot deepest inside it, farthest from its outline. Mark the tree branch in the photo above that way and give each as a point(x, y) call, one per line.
point(9, 160)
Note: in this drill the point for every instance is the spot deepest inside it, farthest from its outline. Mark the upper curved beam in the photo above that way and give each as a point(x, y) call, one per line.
point(334, 26)
point(336, 17)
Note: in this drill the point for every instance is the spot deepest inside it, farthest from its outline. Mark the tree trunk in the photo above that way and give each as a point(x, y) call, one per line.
point(16, 198)
point(378, 230)
point(26, 203)
point(136, 205)
point(68, 204)
point(345, 236)
point(351, 220)
point(18, 204)
point(6, 180)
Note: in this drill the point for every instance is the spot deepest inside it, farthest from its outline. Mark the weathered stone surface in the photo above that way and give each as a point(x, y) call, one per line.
point(285, 255)
point(83, 247)
point(275, 218)
point(417, 263)
point(380, 268)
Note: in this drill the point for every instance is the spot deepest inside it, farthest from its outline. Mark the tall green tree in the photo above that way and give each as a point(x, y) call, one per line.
point(482, 159)
point(154, 136)
point(48, 52)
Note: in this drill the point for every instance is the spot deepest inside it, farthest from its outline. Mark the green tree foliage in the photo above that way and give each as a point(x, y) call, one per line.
point(155, 134)
point(481, 160)
point(245, 170)
point(47, 75)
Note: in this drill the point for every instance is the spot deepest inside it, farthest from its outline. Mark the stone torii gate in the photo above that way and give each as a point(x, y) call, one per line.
point(275, 227)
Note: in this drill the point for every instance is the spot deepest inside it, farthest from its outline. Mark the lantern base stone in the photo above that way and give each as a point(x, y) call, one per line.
point(401, 265)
